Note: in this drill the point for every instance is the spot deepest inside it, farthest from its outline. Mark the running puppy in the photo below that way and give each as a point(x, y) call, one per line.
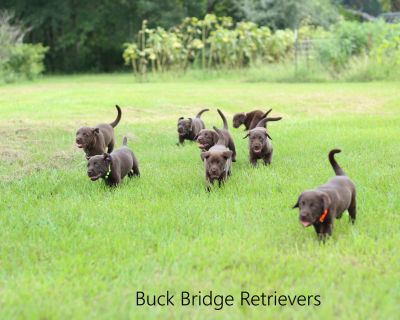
point(217, 162)
point(94, 141)
point(260, 146)
point(249, 119)
point(207, 138)
point(320, 207)
point(113, 167)
point(189, 128)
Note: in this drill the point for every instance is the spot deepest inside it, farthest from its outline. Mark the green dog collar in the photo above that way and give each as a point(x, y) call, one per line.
point(108, 172)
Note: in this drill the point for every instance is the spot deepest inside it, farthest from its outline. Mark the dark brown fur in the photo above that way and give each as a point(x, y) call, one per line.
point(249, 119)
point(117, 164)
point(94, 141)
point(208, 138)
point(217, 162)
point(189, 128)
point(260, 146)
point(336, 196)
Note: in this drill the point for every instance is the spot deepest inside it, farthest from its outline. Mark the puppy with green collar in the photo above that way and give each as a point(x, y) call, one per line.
point(217, 162)
point(113, 167)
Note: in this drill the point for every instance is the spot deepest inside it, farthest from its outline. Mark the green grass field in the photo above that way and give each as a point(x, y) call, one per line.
point(72, 248)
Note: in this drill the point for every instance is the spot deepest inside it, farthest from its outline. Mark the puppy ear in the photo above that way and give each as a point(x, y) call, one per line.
point(246, 136)
point(326, 200)
point(268, 136)
point(95, 130)
point(190, 120)
point(180, 118)
point(297, 203)
point(227, 154)
point(215, 137)
point(105, 155)
point(204, 155)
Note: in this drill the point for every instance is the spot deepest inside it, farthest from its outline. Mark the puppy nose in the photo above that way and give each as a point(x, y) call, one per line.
point(303, 214)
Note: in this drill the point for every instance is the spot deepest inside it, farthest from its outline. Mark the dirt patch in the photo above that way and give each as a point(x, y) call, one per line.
point(28, 147)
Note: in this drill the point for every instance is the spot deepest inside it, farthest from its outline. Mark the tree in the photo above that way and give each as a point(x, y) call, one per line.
point(280, 14)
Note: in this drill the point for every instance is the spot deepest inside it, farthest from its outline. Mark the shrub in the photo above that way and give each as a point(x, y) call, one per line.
point(345, 41)
point(386, 50)
point(17, 59)
point(25, 61)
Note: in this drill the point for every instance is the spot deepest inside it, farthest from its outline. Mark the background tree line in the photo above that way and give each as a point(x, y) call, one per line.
point(88, 35)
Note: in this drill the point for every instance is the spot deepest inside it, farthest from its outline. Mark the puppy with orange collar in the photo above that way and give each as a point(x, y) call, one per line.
point(321, 206)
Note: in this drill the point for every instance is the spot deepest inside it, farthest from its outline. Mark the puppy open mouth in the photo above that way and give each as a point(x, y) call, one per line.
point(305, 223)
point(80, 146)
point(202, 146)
point(257, 150)
point(94, 178)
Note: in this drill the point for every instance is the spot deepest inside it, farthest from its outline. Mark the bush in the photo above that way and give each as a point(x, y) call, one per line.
point(25, 61)
point(18, 60)
point(386, 51)
point(353, 41)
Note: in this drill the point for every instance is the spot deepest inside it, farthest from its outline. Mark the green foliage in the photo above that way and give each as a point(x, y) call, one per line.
point(211, 42)
point(387, 49)
point(349, 40)
point(214, 43)
point(282, 14)
point(25, 61)
point(87, 35)
point(17, 59)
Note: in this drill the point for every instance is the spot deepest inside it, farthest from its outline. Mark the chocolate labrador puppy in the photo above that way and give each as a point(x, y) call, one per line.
point(189, 128)
point(249, 119)
point(260, 146)
point(217, 161)
point(94, 141)
point(207, 138)
point(321, 206)
point(113, 167)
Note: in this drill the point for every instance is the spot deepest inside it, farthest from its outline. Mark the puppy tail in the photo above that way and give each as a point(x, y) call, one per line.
point(223, 119)
point(125, 142)
point(338, 170)
point(201, 112)
point(266, 114)
point(263, 122)
point(221, 138)
point(116, 121)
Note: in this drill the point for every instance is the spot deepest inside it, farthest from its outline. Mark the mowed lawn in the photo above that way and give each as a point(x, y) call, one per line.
point(72, 248)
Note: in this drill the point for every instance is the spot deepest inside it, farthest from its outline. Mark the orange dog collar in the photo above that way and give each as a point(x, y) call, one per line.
point(323, 216)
